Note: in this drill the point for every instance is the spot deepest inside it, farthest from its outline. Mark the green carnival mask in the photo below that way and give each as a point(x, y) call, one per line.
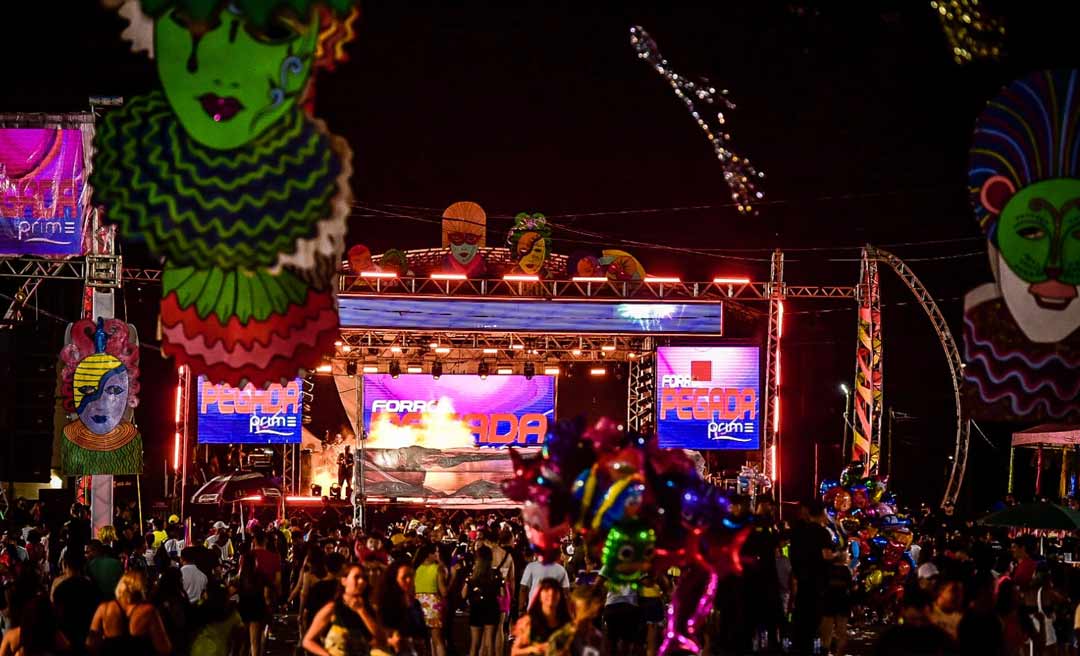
point(229, 79)
point(1039, 231)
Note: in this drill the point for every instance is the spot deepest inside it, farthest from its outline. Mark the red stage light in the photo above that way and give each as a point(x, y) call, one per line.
point(731, 281)
point(378, 274)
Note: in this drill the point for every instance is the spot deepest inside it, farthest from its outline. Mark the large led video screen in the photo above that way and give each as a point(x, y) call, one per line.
point(42, 180)
point(227, 415)
point(457, 411)
point(535, 315)
point(708, 397)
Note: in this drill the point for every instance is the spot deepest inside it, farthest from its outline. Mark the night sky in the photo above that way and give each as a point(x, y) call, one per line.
point(855, 111)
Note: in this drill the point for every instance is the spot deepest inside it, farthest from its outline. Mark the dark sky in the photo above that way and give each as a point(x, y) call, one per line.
point(855, 111)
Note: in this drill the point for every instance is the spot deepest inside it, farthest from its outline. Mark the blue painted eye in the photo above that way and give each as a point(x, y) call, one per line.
point(114, 390)
point(86, 390)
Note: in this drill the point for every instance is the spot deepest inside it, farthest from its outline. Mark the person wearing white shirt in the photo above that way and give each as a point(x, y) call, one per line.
point(535, 572)
point(193, 578)
point(220, 541)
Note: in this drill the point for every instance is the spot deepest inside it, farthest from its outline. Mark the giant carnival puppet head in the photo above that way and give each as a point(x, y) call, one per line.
point(225, 175)
point(464, 227)
point(1025, 187)
point(530, 242)
point(100, 386)
point(1021, 339)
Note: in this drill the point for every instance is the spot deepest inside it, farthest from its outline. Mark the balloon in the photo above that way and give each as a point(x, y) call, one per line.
point(859, 497)
point(903, 537)
point(628, 552)
point(690, 606)
point(826, 485)
point(903, 569)
point(842, 501)
point(873, 579)
point(879, 542)
point(852, 473)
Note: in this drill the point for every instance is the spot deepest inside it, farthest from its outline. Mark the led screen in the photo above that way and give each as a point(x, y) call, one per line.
point(227, 415)
point(537, 316)
point(42, 177)
point(457, 411)
point(708, 397)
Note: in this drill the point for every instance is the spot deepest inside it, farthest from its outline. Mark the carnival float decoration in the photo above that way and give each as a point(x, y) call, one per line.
point(864, 519)
point(639, 508)
point(226, 175)
point(1021, 337)
point(464, 233)
point(99, 387)
point(530, 243)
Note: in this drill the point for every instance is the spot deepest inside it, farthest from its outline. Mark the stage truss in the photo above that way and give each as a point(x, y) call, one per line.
point(458, 352)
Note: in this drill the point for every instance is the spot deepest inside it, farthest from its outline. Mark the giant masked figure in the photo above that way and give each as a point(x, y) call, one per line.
point(100, 382)
point(225, 174)
point(1021, 337)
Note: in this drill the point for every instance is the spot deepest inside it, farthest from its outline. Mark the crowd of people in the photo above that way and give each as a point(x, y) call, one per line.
point(454, 582)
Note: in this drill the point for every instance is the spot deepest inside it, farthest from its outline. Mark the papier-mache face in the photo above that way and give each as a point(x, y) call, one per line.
point(1025, 187)
point(100, 389)
point(227, 78)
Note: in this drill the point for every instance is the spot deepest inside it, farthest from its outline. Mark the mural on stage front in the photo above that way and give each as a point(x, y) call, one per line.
point(99, 387)
point(225, 174)
point(1021, 337)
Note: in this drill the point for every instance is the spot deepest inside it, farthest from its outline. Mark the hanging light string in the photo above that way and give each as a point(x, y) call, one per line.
point(739, 174)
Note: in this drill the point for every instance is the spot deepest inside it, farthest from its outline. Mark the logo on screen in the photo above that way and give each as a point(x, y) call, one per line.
point(270, 412)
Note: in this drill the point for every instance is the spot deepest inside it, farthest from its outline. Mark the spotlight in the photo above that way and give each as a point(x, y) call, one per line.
point(395, 369)
point(350, 368)
point(551, 371)
point(504, 371)
point(483, 370)
point(316, 490)
point(371, 369)
point(415, 369)
point(436, 370)
point(529, 370)
point(598, 371)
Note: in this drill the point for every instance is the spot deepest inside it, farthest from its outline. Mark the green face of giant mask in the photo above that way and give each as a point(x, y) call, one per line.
point(227, 81)
point(1039, 232)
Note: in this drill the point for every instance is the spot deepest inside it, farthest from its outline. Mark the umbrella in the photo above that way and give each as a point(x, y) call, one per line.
point(234, 487)
point(1041, 515)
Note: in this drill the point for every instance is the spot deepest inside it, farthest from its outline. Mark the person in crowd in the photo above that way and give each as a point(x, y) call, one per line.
point(482, 590)
point(947, 609)
point(432, 585)
point(104, 569)
point(812, 550)
point(397, 609)
point(253, 591)
point(580, 637)
point(546, 614)
point(194, 579)
point(74, 597)
point(346, 625)
point(218, 629)
point(915, 633)
point(267, 561)
point(128, 624)
point(313, 571)
point(1023, 552)
point(172, 603)
point(836, 607)
point(533, 574)
point(220, 541)
point(624, 619)
point(38, 633)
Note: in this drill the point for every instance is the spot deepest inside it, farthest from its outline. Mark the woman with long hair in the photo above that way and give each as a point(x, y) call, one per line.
point(313, 571)
point(432, 583)
point(345, 626)
point(129, 624)
point(399, 612)
point(253, 591)
point(547, 614)
point(482, 590)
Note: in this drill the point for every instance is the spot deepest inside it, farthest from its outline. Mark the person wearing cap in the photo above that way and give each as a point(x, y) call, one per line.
point(220, 541)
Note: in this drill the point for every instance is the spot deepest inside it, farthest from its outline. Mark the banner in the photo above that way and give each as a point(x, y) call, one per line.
point(708, 397)
point(42, 178)
point(457, 411)
point(227, 415)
